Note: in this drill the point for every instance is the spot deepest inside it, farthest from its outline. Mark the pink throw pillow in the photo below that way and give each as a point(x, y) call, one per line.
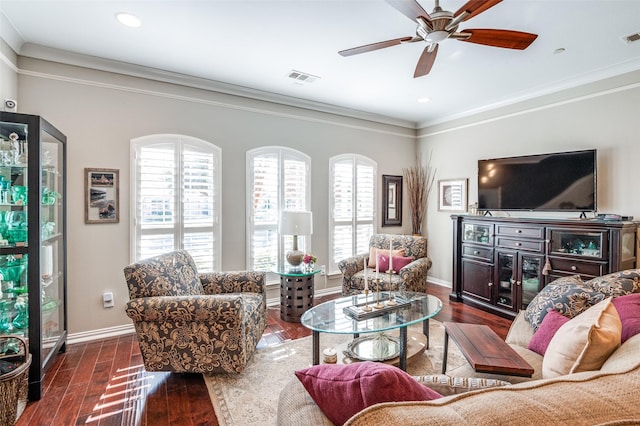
point(374, 251)
point(399, 262)
point(628, 308)
point(344, 390)
point(543, 335)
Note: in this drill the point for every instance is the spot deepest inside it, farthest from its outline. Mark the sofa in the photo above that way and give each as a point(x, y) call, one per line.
point(412, 277)
point(607, 395)
point(190, 322)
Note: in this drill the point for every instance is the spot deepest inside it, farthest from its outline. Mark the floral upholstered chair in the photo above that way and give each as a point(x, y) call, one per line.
point(188, 322)
point(412, 277)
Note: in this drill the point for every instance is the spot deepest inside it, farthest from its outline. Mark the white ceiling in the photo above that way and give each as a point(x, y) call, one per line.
point(255, 44)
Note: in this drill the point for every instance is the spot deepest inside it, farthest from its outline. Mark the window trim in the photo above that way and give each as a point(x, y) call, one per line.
point(181, 141)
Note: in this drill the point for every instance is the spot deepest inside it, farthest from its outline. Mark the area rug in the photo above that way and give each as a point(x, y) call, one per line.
point(251, 398)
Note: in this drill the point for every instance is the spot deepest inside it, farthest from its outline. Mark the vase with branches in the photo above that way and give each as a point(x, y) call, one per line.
point(419, 181)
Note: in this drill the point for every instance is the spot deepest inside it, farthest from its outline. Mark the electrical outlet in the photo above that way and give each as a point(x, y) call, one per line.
point(323, 269)
point(107, 300)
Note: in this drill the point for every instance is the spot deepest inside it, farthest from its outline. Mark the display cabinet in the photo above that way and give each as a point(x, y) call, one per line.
point(501, 263)
point(32, 238)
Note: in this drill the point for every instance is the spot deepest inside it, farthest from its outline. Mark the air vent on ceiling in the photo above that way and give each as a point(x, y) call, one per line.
point(302, 77)
point(633, 37)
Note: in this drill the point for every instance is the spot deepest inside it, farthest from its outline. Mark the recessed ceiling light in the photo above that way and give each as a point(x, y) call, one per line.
point(424, 100)
point(559, 50)
point(128, 19)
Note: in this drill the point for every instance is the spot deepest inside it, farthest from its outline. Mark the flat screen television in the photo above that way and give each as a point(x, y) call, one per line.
point(563, 181)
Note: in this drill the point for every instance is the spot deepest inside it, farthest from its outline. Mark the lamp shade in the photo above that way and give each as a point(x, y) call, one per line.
point(296, 223)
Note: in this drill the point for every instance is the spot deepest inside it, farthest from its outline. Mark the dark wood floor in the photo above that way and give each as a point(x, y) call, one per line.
point(103, 382)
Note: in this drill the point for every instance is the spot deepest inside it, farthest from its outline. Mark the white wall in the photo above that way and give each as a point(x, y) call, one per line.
point(8, 73)
point(101, 112)
point(603, 116)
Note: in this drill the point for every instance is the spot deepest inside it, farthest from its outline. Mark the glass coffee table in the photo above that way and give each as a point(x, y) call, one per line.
point(376, 345)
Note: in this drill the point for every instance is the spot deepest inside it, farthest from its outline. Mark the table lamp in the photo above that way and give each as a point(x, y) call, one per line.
point(295, 223)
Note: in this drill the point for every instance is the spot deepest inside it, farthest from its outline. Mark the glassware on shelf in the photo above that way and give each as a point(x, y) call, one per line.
point(49, 197)
point(16, 226)
point(19, 195)
point(6, 323)
point(48, 228)
point(4, 190)
point(21, 321)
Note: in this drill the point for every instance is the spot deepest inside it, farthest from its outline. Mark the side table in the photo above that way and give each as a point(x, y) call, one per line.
point(296, 293)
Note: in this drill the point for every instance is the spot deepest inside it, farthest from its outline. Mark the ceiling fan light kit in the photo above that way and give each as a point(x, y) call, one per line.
point(442, 24)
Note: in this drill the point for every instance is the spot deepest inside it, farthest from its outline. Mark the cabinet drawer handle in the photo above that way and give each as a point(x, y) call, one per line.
point(518, 244)
point(518, 283)
point(574, 267)
point(490, 284)
point(476, 252)
point(519, 231)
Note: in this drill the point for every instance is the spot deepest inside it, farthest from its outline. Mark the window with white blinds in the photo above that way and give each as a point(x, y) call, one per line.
point(352, 216)
point(175, 198)
point(278, 179)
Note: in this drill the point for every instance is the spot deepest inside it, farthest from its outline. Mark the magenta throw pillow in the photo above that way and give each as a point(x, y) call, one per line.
point(628, 308)
point(344, 390)
point(543, 335)
point(399, 262)
point(383, 262)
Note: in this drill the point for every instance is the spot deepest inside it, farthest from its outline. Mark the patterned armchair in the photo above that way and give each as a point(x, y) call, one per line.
point(412, 277)
point(194, 323)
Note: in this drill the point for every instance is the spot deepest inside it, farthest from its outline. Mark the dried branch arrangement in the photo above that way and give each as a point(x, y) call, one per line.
point(419, 180)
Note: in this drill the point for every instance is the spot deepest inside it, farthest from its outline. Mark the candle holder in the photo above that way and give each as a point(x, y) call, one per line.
point(366, 307)
point(392, 300)
point(378, 305)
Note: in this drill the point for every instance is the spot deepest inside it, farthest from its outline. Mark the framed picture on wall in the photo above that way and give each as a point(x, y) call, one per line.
point(452, 195)
point(101, 196)
point(391, 200)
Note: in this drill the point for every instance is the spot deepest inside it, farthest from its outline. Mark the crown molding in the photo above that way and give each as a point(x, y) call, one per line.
point(70, 58)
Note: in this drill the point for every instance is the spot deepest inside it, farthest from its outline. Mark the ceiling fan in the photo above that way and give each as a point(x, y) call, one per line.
point(440, 25)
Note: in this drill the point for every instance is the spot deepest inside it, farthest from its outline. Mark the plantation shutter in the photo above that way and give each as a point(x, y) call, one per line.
point(353, 186)
point(279, 180)
point(175, 199)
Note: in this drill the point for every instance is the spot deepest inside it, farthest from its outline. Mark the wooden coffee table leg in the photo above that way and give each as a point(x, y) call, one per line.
point(403, 349)
point(445, 352)
point(316, 347)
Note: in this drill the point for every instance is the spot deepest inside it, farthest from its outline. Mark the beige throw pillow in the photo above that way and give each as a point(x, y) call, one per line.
point(373, 254)
point(585, 342)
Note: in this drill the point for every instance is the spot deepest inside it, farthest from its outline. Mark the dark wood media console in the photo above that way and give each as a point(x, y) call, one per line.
point(501, 263)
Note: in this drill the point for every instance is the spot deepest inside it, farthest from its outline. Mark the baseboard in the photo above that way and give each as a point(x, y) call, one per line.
point(102, 333)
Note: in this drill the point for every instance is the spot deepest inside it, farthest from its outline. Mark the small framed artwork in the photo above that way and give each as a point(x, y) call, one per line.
point(101, 196)
point(391, 200)
point(452, 195)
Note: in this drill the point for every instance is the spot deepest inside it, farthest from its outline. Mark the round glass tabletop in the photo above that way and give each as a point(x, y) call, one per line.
point(330, 317)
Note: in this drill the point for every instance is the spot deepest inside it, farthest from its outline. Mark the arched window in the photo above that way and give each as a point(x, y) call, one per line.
point(175, 198)
point(278, 179)
point(352, 214)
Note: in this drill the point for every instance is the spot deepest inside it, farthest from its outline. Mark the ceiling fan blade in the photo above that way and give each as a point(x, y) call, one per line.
point(476, 7)
point(409, 8)
point(426, 61)
point(499, 38)
point(374, 46)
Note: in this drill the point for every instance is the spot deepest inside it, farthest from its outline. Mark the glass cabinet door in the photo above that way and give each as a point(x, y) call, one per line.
point(477, 233)
point(530, 280)
point(592, 244)
point(506, 270)
point(14, 299)
point(51, 257)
